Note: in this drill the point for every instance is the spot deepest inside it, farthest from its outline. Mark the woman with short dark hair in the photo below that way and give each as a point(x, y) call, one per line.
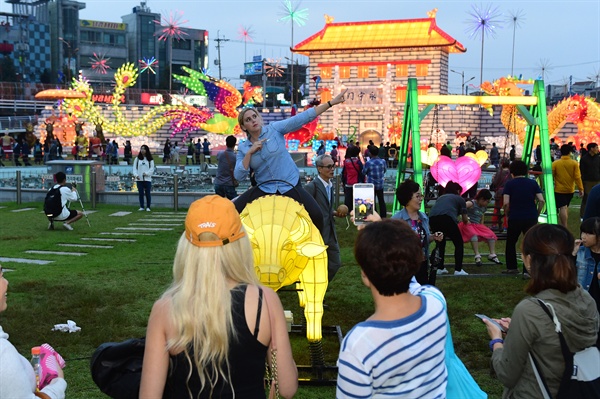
point(409, 195)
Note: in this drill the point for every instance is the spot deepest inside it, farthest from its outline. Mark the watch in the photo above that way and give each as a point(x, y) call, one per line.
point(494, 342)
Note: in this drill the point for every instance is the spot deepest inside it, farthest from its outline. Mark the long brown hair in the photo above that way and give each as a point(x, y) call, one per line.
point(551, 263)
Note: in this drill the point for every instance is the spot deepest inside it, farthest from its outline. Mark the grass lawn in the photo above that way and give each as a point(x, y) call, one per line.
point(109, 291)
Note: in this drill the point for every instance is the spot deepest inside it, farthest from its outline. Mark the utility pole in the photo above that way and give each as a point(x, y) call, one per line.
point(219, 40)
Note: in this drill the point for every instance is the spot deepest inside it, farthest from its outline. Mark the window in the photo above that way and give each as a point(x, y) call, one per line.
point(182, 44)
point(400, 94)
point(90, 36)
point(344, 72)
point(326, 73)
point(422, 90)
point(115, 39)
point(382, 71)
point(325, 95)
point(422, 69)
point(401, 70)
point(363, 71)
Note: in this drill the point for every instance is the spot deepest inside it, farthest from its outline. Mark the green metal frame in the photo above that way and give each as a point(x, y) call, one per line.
point(537, 120)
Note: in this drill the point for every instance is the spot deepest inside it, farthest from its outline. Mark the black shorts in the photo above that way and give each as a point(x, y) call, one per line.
point(72, 214)
point(562, 199)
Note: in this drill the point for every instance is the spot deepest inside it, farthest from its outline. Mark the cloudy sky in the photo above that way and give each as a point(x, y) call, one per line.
point(562, 36)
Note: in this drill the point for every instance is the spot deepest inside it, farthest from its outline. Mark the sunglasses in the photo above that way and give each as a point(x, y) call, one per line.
point(327, 166)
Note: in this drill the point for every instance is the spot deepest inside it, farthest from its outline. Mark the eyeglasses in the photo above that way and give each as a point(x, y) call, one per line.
point(418, 195)
point(327, 166)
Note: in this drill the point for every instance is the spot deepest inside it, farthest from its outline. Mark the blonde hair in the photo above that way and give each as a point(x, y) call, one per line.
point(201, 302)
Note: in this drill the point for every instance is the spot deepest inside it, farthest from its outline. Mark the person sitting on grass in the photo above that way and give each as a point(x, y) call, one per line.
point(475, 230)
point(17, 377)
point(399, 350)
point(67, 195)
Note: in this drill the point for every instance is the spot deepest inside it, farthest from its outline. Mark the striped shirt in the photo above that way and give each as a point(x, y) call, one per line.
point(397, 359)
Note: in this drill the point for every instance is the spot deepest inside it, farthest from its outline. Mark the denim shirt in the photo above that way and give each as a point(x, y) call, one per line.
point(273, 162)
point(585, 264)
point(403, 215)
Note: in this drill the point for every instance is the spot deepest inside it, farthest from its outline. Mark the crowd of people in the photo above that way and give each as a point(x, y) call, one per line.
point(210, 332)
point(20, 152)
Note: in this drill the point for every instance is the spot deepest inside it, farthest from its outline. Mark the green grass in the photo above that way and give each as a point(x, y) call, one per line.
point(109, 293)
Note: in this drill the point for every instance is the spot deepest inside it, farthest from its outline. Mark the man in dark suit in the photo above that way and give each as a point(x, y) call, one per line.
point(322, 190)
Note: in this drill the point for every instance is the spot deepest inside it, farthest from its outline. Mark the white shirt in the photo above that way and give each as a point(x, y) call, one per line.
point(17, 378)
point(143, 169)
point(66, 195)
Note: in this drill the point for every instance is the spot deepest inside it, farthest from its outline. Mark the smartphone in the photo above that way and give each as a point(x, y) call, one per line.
point(363, 201)
point(484, 317)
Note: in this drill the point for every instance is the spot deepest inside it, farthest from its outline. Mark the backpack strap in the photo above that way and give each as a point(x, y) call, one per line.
point(539, 378)
point(566, 352)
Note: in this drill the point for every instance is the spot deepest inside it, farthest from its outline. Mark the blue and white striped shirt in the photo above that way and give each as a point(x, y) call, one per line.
point(397, 359)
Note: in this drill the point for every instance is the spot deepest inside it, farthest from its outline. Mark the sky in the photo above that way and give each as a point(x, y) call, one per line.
point(561, 36)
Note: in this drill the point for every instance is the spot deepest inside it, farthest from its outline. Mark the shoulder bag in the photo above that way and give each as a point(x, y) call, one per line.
point(271, 370)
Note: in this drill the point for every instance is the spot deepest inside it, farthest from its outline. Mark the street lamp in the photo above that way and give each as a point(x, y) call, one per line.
point(70, 54)
point(293, 94)
point(462, 75)
point(467, 87)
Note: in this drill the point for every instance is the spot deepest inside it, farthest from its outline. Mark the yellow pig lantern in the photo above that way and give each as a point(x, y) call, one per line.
point(288, 247)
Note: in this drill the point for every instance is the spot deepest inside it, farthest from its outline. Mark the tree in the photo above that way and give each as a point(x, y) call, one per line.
point(8, 72)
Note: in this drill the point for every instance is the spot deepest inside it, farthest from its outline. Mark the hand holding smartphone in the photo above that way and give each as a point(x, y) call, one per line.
point(363, 202)
point(484, 317)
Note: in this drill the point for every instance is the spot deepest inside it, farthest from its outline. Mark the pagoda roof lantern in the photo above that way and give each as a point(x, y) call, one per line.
point(376, 35)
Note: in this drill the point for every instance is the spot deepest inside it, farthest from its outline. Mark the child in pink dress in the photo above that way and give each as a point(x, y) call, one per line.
point(475, 231)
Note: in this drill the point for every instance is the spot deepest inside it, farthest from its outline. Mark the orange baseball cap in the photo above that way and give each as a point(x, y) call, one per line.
point(213, 214)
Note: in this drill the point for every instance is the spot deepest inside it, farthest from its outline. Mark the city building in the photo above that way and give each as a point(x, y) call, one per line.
point(49, 34)
point(373, 60)
point(276, 80)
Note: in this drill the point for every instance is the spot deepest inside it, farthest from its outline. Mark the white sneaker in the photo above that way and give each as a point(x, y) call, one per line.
point(460, 273)
point(441, 271)
point(147, 209)
point(141, 209)
point(67, 226)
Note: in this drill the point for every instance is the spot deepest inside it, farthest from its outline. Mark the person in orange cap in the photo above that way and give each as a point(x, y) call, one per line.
point(209, 333)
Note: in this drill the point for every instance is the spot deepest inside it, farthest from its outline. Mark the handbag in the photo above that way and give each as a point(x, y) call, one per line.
point(116, 367)
point(581, 378)
point(461, 384)
point(271, 370)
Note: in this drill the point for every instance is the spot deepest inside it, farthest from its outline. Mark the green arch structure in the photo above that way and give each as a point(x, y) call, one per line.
point(536, 117)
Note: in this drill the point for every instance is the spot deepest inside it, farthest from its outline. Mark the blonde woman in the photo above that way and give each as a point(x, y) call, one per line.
point(208, 334)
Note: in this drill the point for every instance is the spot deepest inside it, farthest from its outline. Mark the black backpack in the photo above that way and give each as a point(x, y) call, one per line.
point(581, 377)
point(53, 203)
point(117, 368)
